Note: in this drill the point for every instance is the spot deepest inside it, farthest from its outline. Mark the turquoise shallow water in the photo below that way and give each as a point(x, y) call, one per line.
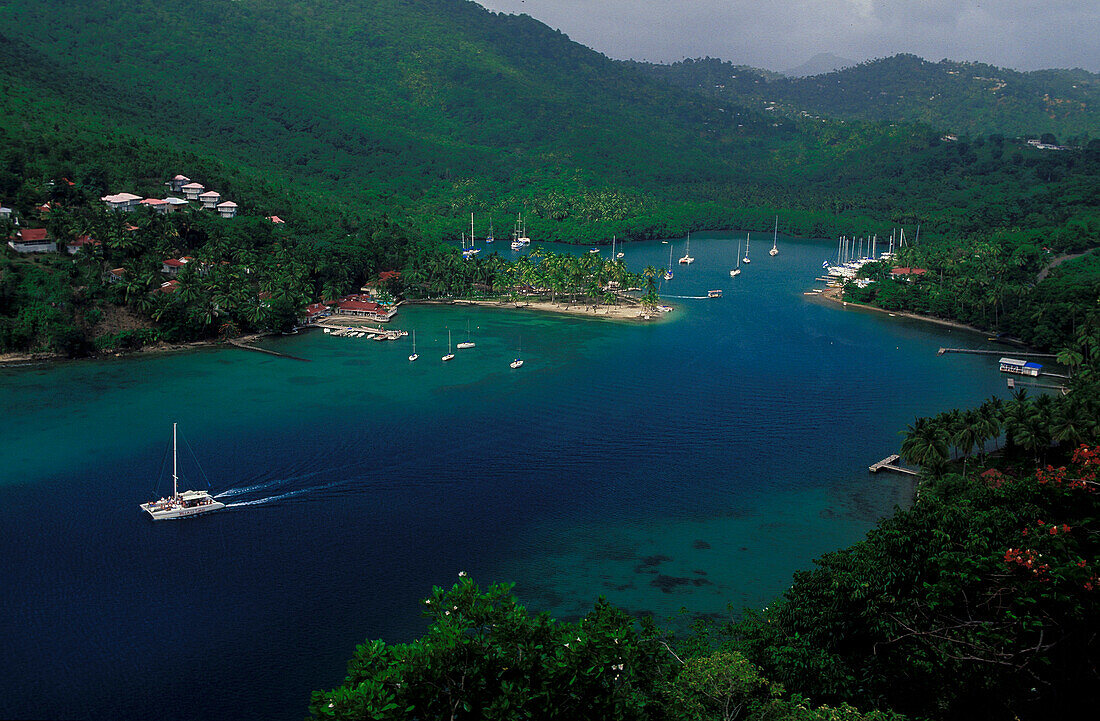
point(692, 463)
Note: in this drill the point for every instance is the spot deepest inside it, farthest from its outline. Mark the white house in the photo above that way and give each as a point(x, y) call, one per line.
point(5, 213)
point(175, 204)
point(175, 185)
point(33, 240)
point(191, 190)
point(171, 266)
point(122, 201)
point(210, 199)
point(228, 209)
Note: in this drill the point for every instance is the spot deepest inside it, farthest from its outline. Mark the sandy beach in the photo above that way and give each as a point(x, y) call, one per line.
point(614, 312)
point(835, 295)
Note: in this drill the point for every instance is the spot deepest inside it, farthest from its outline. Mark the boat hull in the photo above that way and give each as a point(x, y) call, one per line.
point(174, 512)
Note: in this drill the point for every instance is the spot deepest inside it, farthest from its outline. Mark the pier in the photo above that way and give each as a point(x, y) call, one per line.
point(889, 463)
point(976, 351)
point(245, 346)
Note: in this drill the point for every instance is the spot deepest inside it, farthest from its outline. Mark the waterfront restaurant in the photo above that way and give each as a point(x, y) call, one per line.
point(1024, 368)
point(361, 305)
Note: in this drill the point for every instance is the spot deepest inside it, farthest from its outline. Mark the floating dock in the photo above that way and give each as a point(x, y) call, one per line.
point(976, 351)
point(889, 463)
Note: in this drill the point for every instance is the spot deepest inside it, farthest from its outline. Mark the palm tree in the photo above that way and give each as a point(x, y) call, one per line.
point(925, 443)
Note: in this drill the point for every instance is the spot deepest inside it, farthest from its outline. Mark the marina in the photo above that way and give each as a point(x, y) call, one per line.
point(362, 465)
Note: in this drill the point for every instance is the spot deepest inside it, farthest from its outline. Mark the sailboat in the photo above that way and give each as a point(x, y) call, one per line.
point(746, 258)
point(414, 355)
point(737, 271)
point(180, 505)
point(775, 238)
point(523, 234)
point(620, 254)
point(472, 250)
point(467, 343)
point(449, 355)
point(668, 273)
point(489, 238)
point(518, 361)
point(517, 241)
point(687, 252)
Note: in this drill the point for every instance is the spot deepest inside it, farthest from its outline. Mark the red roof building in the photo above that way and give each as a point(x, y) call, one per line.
point(908, 273)
point(167, 287)
point(33, 240)
point(74, 246)
point(360, 305)
point(314, 311)
point(276, 219)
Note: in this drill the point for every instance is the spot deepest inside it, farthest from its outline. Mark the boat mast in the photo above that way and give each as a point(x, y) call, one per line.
point(471, 230)
point(175, 475)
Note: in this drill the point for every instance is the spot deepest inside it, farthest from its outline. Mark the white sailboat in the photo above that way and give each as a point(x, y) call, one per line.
point(687, 259)
point(620, 254)
point(518, 361)
point(517, 241)
point(180, 505)
point(449, 355)
point(737, 271)
point(668, 273)
point(746, 258)
point(467, 343)
point(775, 238)
point(489, 238)
point(471, 251)
point(414, 355)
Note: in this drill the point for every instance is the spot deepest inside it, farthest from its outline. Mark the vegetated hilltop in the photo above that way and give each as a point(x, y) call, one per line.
point(956, 97)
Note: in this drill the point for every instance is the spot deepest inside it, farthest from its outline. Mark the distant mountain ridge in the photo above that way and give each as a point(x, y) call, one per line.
point(957, 97)
point(818, 65)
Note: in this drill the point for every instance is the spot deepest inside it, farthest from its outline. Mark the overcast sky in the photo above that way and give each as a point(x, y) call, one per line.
point(781, 34)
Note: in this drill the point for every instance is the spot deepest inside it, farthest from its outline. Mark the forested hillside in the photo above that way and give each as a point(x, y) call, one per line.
point(950, 96)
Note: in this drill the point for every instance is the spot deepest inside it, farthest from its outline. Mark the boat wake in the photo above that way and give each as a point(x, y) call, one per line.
point(280, 496)
point(279, 482)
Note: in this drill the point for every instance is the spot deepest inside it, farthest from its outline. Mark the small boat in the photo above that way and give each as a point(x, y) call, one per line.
point(518, 361)
point(737, 271)
point(467, 343)
point(668, 273)
point(327, 329)
point(746, 258)
point(594, 250)
point(449, 355)
point(775, 237)
point(714, 294)
point(687, 259)
point(414, 355)
point(180, 505)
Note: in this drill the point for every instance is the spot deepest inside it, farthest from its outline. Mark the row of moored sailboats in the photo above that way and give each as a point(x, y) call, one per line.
point(461, 346)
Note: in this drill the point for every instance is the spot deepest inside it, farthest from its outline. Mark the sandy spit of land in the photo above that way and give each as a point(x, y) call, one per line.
point(614, 312)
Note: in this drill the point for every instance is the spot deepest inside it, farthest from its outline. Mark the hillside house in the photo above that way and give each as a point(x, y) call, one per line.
point(210, 199)
point(160, 206)
point(169, 286)
point(171, 266)
point(122, 201)
point(79, 243)
point(5, 213)
point(191, 191)
point(175, 185)
point(33, 240)
point(115, 275)
point(174, 204)
point(228, 209)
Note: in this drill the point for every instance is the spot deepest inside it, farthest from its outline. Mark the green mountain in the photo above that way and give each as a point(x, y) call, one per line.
point(955, 97)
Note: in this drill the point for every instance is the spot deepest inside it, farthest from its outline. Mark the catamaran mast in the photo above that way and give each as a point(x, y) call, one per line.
point(175, 476)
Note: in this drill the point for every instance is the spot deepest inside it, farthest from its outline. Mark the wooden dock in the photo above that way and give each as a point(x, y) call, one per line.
point(889, 463)
point(245, 346)
point(1013, 353)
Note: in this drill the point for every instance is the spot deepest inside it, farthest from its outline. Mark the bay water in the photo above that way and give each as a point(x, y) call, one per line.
point(695, 462)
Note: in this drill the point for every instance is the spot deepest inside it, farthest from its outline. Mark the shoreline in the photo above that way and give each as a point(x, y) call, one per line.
point(612, 312)
point(834, 295)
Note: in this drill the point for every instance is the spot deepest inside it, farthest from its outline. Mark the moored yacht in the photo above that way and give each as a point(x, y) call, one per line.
point(180, 505)
point(687, 259)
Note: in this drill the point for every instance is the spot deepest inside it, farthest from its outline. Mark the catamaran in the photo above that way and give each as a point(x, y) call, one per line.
point(775, 238)
point(687, 252)
point(467, 343)
point(737, 271)
point(668, 273)
point(414, 355)
point(449, 355)
point(180, 505)
point(746, 258)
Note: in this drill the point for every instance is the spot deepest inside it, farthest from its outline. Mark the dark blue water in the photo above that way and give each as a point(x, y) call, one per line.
point(695, 462)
